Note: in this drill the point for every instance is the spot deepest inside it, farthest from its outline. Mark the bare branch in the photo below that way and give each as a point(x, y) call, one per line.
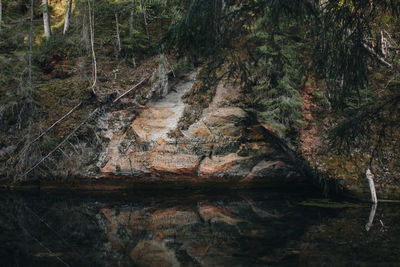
point(76, 129)
point(378, 57)
point(51, 127)
point(61, 143)
point(370, 179)
point(127, 92)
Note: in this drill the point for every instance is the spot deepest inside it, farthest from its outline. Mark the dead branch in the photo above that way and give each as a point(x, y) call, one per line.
point(372, 52)
point(51, 127)
point(371, 217)
point(61, 143)
point(378, 57)
point(65, 154)
point(77, 128)
point(127, 92)
point(73, 147)
point(370, 179)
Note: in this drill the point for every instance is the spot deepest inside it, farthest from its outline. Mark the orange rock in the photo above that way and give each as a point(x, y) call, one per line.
point(219, 165)
point(216, 214)
point(153, 253)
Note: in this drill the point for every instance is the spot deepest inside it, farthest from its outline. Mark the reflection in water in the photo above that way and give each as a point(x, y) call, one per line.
point(190, 229)
point(371, 217)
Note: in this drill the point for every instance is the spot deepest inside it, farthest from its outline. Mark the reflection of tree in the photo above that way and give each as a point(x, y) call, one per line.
point(371, 217)
point(41, 232)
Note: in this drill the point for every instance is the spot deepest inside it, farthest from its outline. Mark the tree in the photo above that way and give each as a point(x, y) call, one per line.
point(277, 72)
point(67, 16)
point(117, 35)
point(46, 19)
point(199, 32)
point(30, 44)
point(85, 30)
point(91, 29)
point(146, 24)
point(1, 16)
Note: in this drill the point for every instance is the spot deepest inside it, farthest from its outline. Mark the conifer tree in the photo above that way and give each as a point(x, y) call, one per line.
point(278, 71)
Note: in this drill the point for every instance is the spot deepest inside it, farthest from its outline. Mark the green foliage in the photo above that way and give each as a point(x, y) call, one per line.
point(49, 143)
point(278, 71)
point(181, 66)
point(199, 32)
point(57, 47)
point(319, 97)
point(343, 29)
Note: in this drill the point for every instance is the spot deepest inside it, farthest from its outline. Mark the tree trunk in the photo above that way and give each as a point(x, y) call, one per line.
point(1, 16)
point(146, 25)
point(91, 28)
point(46, 19)
point(131, 19)
point(67, 16)
point(118, 37)
point(85, 32)
point(131, 22)
point(30, 46)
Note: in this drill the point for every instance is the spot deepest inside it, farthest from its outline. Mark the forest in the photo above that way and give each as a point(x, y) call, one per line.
point(322, 77)
point(199, 132)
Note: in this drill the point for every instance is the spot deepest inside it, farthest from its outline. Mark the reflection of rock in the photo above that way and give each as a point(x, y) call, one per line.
point(152, 253)
point(204, 232)
point(252, 229)
point(163, 219)
point(227, 144)
point(214, 214)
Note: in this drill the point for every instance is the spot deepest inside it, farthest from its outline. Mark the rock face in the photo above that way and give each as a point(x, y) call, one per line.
point(227, 144)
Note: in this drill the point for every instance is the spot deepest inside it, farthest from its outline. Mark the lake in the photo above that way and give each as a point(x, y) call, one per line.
point(195, 228)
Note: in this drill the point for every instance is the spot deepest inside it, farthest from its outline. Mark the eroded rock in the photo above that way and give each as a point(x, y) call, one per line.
point(227, 144)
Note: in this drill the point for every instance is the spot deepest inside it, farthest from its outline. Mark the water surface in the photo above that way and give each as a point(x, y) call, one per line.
point(193, 228)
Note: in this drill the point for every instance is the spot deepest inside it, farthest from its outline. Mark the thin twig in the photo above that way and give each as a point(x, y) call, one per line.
point(43, 246)
point(77, 128)
point(380, 59)
point(51, 127)
point(61, 143)
point(127, 92)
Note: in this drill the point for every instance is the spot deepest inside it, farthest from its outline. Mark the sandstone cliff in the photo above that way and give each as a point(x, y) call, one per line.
point(225, 145)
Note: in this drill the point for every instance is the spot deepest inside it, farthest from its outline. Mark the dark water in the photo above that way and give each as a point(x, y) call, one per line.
point(190, 228)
